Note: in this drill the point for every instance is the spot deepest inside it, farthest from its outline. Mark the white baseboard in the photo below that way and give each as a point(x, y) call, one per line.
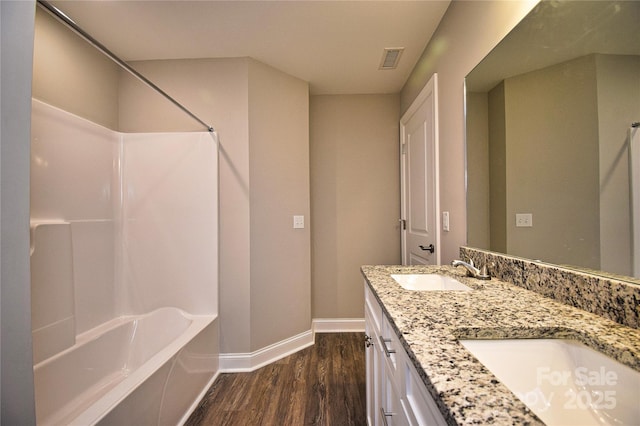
point(338, 325)
point(244, 362)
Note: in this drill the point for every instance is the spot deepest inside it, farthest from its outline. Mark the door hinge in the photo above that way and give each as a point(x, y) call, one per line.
point(403, 224)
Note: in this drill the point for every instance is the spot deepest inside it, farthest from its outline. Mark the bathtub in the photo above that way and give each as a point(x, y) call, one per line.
point(140, 370)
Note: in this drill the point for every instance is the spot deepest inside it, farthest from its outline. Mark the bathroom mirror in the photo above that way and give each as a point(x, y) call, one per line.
point(549, 116)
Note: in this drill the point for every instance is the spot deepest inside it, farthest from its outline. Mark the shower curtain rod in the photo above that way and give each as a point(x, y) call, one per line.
point(67, 21)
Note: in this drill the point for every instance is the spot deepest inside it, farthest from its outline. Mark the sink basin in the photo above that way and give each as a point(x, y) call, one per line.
point(428, 282)
point(563, 381)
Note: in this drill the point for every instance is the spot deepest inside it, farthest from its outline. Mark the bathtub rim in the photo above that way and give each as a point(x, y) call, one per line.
point(107, 402)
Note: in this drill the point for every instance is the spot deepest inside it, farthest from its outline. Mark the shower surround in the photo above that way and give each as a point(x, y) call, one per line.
point(124, 264)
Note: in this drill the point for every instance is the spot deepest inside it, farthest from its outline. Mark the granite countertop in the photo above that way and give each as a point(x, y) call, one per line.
point(429, 324)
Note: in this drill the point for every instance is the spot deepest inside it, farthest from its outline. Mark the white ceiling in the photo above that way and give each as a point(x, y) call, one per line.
point(334, 45)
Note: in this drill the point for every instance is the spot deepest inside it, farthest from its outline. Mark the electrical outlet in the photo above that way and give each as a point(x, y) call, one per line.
point(298, 222)
point(524, 220)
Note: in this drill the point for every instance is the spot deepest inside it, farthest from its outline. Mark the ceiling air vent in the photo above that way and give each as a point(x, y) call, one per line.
point(390, 58)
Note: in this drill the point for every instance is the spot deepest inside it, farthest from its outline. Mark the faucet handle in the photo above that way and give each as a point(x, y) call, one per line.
point(484, 270)
point(485, 273)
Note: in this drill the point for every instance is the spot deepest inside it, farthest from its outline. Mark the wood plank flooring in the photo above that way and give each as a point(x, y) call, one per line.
point(322, 385)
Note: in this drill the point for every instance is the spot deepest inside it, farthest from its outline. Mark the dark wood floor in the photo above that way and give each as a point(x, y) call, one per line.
point(320, 385)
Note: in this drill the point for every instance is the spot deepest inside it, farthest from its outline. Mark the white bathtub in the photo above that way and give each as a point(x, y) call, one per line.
point(144, 370)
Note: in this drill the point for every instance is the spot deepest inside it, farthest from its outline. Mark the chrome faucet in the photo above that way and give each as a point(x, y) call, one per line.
point(472, 271)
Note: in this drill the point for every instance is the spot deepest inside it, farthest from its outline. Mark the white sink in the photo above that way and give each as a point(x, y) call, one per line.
point(428, 282)
point(564, 382)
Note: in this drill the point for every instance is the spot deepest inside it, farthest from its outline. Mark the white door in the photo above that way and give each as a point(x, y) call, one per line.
point(419, 168)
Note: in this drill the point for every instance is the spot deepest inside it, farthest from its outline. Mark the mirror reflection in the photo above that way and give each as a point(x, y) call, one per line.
point(550, 114)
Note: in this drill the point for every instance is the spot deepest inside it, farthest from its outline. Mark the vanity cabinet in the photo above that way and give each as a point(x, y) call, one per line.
point(395, 393)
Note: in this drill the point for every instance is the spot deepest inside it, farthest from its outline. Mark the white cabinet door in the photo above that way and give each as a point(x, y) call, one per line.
point(391, 412)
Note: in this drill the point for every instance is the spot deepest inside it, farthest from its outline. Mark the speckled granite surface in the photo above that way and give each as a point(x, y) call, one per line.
point(429, 325)
point(605, 295)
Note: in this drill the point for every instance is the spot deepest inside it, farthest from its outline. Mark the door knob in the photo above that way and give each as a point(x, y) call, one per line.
point(430, 248)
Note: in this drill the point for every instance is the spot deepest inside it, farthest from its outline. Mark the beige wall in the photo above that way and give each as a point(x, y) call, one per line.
point(355, 187)
point(477, 155)
point(468, 31)
point(72, 75)
point(551, 123)
point(279, 176)
point(497, 169)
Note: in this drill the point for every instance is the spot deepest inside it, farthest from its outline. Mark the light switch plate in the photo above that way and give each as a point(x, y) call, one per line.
point(298, 222)
point(445, 221)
